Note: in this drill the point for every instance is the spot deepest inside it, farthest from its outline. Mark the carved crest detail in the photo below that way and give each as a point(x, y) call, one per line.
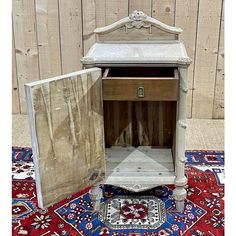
point(137, 16)
point(137, 20)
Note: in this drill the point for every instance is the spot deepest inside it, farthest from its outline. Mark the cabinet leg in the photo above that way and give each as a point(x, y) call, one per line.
point(96, 195)
point(179, 205)
point(180, 194)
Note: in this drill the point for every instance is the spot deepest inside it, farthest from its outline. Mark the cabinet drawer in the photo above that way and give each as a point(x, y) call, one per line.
point(140, 84)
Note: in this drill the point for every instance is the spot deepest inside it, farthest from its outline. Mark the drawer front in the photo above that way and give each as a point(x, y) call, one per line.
point(140, 89)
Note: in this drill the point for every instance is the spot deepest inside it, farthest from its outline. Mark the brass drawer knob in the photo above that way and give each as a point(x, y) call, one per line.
point(140, 92)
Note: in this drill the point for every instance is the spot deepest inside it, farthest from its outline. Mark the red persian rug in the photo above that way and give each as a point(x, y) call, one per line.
point(150, 213)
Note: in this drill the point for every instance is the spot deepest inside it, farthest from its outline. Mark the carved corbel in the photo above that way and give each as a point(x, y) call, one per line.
point(182, 124)
point(87, 60)
point(184, 60)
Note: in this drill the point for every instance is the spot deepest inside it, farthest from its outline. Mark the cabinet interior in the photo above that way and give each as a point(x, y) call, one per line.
point(162, 72)
point(139, 139)
point(139, 135)
point(131, 123)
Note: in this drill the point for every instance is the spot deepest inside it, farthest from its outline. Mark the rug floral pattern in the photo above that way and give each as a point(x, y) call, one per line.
point(203, 214)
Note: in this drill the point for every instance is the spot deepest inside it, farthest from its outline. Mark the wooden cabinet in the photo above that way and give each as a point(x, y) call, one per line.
point(140, 84)
point(121, 121)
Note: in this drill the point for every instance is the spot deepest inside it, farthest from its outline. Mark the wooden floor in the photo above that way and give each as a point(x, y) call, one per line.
point(202, 134)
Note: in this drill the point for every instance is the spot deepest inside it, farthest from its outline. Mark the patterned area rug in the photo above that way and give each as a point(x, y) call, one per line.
point(203, 214)
point(133, 212)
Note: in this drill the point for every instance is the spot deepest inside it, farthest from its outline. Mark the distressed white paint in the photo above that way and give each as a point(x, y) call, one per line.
point(143, 168)
point(181, 180)
point(168, 52)
point(136, 169)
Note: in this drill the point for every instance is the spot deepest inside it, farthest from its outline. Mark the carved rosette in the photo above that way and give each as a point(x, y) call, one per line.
point(137, 20)
point(137, 16)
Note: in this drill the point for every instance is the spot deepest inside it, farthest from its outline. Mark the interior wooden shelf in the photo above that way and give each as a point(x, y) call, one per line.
point(139, 165)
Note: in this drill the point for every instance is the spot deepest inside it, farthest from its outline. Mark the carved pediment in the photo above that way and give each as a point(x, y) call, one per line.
point(137, 27)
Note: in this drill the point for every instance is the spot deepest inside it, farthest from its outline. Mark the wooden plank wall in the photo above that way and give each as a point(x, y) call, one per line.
point(50, 37)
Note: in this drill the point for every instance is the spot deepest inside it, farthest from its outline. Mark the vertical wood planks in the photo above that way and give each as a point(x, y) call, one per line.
point(71, 35)
point(48, 38)
point(100, 14)
point(116, 10)
point(186, 18)
point(94, 16)
point(164, 10)
point(117, 123)
point(206, 58)
point(145, 6)
point(52, 36)
point(89, 23)
point(218, 108)
point(139, 123)
point(15, 90)
point(26, 48)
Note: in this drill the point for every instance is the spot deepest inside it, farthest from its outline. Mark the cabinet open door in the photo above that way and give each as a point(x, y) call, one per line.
point(67, 132)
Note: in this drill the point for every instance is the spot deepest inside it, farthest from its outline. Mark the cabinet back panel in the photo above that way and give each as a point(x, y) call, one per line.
point(139, 123)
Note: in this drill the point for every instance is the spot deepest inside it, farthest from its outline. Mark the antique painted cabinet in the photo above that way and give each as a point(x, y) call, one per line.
point(120, 121)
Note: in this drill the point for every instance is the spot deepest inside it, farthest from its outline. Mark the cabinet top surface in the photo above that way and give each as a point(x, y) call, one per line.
point(137, 39)
point(172, 52)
